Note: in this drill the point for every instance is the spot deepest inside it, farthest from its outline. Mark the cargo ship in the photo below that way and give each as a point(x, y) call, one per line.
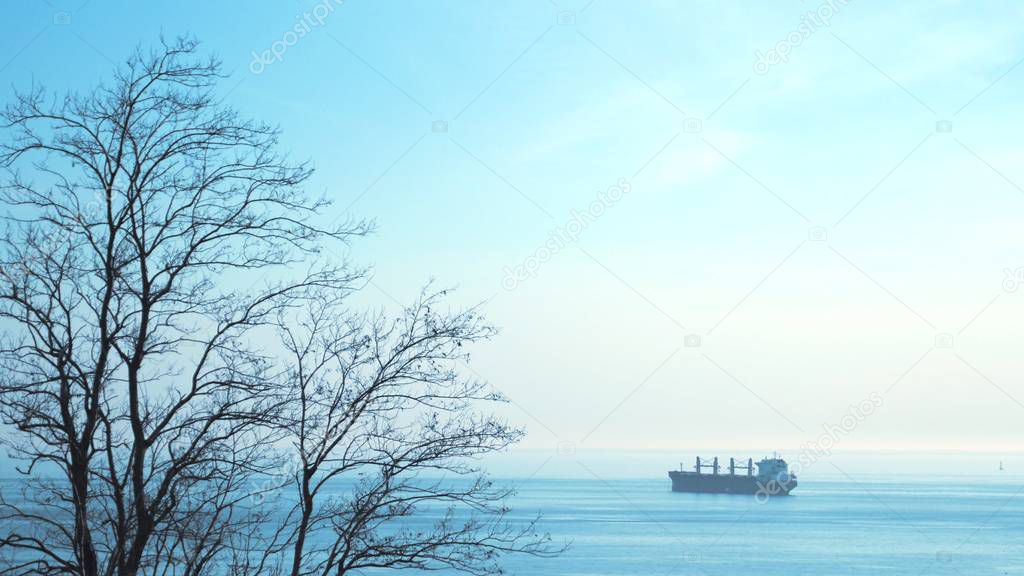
point(772, 478)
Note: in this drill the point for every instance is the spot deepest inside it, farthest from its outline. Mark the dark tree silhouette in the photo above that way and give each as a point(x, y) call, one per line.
point(143, 392)
point(382, 400)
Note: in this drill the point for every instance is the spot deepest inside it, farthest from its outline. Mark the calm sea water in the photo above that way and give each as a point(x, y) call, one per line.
point(870, 525)
point(921, 525)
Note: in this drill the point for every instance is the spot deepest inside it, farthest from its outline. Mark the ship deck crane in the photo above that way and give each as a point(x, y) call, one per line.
point(714, 466)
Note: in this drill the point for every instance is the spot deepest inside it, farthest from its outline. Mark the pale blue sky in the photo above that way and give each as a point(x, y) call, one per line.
point(548, 103)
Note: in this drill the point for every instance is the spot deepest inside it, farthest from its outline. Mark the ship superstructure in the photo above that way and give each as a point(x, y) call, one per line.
point(772, 478)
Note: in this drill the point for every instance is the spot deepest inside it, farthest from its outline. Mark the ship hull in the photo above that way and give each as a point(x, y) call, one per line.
point(728, 484)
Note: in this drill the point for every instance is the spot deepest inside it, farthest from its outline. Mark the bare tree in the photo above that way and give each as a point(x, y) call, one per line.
point(141, 218)
point(382, 402)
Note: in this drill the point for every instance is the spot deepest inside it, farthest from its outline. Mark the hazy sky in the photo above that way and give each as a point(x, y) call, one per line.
point(833, 210)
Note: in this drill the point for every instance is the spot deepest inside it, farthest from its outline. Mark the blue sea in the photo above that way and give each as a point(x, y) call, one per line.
point(857, 523)
point(911, 525)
